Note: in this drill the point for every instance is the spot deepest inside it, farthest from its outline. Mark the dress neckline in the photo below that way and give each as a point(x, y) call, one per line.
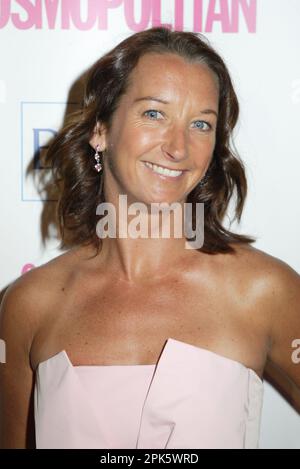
point(170, 341)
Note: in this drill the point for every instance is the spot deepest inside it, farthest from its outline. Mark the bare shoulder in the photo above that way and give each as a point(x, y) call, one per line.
point(265, 267)
point(21, 309)
point(28, 299)
point(270, 271)
point(277, 286)
point(266, 282)
point(25, 304)
point(34, 287)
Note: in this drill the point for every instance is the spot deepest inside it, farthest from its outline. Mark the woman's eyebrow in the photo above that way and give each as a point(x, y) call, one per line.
point(159, 100)
point(151, 98)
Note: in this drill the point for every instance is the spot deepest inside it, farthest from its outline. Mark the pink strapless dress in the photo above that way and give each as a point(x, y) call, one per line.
point(192, 398)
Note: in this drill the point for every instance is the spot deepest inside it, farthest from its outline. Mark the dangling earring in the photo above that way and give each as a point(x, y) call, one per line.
point(98, 166)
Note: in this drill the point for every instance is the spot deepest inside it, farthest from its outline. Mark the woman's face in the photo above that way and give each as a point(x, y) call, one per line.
point(167, 118)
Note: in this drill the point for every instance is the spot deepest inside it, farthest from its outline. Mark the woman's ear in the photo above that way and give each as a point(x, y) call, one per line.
point(99, 137)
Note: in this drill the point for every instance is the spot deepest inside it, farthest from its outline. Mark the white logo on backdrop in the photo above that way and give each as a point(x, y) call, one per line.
point(40, 122)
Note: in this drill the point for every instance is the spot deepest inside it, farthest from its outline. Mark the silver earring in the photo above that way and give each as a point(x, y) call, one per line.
point(98, 166)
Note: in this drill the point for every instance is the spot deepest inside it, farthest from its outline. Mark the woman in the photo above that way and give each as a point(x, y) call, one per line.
point(126, 342)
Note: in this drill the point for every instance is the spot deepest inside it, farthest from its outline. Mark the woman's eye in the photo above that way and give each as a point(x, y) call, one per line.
point(203, 125)
point(152, 113)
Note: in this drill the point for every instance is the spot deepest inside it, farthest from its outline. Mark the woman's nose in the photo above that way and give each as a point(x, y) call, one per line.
point(175, 145)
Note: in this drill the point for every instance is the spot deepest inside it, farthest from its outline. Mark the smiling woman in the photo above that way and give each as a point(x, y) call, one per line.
point(129, 342)
point(189, 84)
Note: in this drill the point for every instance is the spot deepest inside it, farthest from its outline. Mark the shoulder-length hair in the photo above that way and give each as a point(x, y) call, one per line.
point(71, 155)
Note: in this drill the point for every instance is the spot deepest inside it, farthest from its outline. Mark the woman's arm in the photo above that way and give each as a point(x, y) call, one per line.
point(284, 356)
point(16, 376)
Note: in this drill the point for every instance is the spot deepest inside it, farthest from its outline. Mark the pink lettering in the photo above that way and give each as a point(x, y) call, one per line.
point(145, 15)
point(51, 12)
point(103, 7)
point(71, 8)
point(249, 12)
point(228, 22)
point(156, 14)
point(179, 15)
point(33, 13)
point(222, 16)
point(226, 14)
point(198, 15)
point(4, 12)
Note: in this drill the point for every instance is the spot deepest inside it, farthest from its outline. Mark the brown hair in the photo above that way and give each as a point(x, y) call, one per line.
point(71, 156)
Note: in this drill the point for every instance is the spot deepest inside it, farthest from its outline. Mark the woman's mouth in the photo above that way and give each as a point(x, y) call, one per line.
point(169, 173)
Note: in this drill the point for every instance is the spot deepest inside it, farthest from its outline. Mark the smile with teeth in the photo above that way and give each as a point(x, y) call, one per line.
point(163, 171)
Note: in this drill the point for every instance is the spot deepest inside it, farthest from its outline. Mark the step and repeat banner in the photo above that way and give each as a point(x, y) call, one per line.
point(47, 45)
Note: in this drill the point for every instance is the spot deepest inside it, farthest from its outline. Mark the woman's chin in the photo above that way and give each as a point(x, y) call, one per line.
point(165, 198)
